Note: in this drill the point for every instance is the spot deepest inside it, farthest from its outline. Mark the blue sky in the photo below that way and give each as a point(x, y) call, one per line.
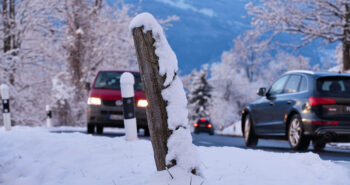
point(207, 27)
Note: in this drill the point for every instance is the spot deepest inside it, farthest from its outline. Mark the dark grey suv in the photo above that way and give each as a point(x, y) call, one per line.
point(301, 106)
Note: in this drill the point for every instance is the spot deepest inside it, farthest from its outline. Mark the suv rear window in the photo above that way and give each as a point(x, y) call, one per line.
point(334, 86)
point(111, 80)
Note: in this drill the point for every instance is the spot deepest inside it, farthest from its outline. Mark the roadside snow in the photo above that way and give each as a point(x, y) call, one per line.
point(233, 130)
point(32, 156)
point(340, 145)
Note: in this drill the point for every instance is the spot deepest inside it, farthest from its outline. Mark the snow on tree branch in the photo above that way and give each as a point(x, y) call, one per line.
point(312, 19)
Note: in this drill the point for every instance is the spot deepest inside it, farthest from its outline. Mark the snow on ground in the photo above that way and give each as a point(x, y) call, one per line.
point(340, 145)
point(233, 130)
point(32, 156)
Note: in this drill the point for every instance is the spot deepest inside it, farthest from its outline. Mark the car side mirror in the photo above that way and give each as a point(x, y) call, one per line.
point(261, 91)
point(88, 86)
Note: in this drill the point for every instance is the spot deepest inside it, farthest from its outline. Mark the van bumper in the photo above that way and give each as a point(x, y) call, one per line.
point(112, 116)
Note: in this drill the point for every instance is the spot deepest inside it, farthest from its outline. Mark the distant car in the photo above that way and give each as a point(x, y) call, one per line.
point(105, 105)
point(203, 125)
point(301, 106)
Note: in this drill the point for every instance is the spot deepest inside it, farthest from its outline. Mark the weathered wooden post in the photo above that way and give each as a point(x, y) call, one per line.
point(153, 86)
point(167, 115)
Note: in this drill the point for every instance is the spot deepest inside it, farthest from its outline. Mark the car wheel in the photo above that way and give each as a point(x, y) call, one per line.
point(250, 138)
point(296, 137)
point(211, 132)
point(318, 145)
point(196, 131)
point(99, 129)
point(90, 128)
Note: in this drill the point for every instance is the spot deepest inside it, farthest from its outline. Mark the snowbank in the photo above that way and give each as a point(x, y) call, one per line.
point(232, 130)
point(340, 145)
point(32, 156)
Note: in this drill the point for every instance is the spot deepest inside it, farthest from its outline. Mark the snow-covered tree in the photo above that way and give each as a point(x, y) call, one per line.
point(231, 91)
point(95, 37)
point(281, 63)
point(199, 97)
point(27, 57)
point(250, 52)
point(66, 41)
point(312, 19)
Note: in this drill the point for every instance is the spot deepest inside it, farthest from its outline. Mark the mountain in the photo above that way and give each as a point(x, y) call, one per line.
point(207, 27)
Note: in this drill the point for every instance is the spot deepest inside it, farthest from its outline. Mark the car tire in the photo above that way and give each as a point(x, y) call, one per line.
point(90, 128)
point(99, 129)
point(211, 132)
point(250, 139)
point(297, 139)
point(318, 145)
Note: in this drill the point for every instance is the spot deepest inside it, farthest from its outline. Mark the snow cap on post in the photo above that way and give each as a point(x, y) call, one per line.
point(167, 58)
point(127, 82)
point(5, 91)
point(127, 78)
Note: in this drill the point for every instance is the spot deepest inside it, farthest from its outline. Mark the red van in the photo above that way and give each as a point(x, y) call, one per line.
point(105, 105)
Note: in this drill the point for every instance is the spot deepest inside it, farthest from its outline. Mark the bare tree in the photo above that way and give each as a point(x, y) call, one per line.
point(94, 37)
point(313, 19)
point(249, 52)
point(26, 60)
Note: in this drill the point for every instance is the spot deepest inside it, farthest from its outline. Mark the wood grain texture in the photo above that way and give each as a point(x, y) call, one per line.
point(152, 86)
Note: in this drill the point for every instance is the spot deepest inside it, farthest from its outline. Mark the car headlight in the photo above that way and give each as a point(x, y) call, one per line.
point(94, 101)
point(142, 103)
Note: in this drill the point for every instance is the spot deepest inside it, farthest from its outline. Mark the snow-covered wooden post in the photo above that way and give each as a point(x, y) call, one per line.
point(48, 116)
point(5, 95)
point(166, 111)
point(127, 82)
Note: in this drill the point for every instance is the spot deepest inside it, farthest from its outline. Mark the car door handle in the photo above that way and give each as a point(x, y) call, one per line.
point(289, 102)
point(272, 104)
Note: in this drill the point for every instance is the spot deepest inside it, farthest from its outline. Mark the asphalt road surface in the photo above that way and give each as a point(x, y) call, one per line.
point(338, 155)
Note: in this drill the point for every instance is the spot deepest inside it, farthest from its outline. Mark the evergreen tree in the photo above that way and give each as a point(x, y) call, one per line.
point(199, 97)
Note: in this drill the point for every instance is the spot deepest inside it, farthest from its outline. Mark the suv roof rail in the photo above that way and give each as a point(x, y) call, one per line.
point(300, 71)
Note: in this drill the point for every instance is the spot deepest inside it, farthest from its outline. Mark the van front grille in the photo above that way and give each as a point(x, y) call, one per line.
point(111, 112)
point(112, 103)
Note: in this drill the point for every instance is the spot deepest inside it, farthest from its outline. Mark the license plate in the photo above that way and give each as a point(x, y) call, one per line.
point(116, 117)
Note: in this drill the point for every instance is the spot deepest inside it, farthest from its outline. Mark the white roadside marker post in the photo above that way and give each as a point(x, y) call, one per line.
point(6, 106)
point(48, 116)
point(127, 88)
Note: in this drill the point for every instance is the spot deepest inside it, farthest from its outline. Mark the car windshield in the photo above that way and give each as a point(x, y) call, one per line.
point(111, 80)
point(334, 86)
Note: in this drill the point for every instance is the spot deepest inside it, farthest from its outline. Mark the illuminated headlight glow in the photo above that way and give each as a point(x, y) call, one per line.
point(142, 103)
point(94, 101)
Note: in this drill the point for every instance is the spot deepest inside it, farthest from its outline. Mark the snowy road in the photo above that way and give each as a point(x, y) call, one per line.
point(338, 155)
point(330, 153)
